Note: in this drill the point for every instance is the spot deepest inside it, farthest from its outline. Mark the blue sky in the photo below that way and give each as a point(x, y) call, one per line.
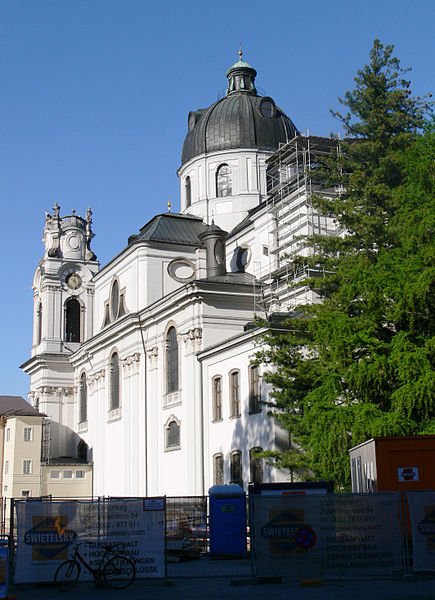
point(94, 98)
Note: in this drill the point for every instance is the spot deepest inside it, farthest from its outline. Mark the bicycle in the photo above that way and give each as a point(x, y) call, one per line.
point(116, 569)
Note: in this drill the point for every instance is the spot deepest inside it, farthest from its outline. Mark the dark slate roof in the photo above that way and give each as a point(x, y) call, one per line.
point(16, 405)
point(235, 278)
point(171, 228)
point(236, 120)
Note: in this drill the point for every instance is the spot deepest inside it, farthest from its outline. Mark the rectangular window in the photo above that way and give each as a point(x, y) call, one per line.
point(55, 474)
point(25, 493)
point(254, 390)
point(217, 399)
point(5, 488)
point(80, 474)
point(8, 434)
point(235, 394)
point(28, 434)
point(67, 474)
point(27, 467)
point(6, 467)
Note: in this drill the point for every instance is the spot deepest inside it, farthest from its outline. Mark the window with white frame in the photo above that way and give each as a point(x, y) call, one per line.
point(67, 474)
point(6, 467)
point(188, 189)
point(25, 493)
point(217, 398)
point(235, 394)
point(172, 434)
point(254, 390)
point(172, 383)
point(8, 434)
point(218, 469)
point(83, 401)
point(223, 181)
point(55, 474)
point(236, 467)
point(28, 434)
point(27, 467)
point(114, 381)
point(80, 474)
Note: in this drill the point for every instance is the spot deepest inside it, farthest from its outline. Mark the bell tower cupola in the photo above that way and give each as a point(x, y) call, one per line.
point(62, 285)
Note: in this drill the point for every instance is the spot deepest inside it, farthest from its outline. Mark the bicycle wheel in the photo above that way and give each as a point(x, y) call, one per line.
point(67, 575)
point(119, 571)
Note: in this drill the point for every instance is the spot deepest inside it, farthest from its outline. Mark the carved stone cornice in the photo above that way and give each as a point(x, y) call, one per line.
point(130, 360)
point(193, 336)
point(49, 390)
point(94, 378)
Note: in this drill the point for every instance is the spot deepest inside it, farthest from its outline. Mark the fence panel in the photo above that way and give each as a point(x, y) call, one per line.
point(422, 513)
point(47, 531)
point(318, 536)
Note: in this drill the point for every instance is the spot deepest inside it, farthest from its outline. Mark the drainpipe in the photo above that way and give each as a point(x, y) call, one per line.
point(145, 403)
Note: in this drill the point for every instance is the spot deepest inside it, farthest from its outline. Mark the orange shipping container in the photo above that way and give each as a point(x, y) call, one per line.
point(390, 464)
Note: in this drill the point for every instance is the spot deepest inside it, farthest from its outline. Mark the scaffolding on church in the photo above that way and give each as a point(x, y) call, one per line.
point(294, 175)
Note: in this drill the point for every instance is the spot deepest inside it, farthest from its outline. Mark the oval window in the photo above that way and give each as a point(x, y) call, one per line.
point(267, 108)
point(114, 299)
point(219, 252)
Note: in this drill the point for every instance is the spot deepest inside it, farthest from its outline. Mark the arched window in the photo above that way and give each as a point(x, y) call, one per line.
point(218, 469)
point(82, 450)
point(235, 394)
point(217, 398)
point(171, 361)
point(223, 181)
point(172, 434)
point(255, 466)
point(188, 189)
point(83, 400)
point(114, 381)
point(72, 320)
point(236, 467)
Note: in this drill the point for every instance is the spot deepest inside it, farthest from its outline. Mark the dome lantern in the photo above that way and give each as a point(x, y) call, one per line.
point(241, 77)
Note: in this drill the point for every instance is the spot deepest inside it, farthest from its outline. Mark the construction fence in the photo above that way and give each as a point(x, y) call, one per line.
point(292, 536)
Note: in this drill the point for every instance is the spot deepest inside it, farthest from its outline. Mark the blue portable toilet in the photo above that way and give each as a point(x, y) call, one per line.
point(4, 568)
point(227, 528)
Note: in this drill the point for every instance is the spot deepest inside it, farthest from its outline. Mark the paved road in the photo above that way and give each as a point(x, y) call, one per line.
point(222, 588)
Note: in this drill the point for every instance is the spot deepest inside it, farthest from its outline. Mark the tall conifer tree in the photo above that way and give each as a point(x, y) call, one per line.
point(361, 363)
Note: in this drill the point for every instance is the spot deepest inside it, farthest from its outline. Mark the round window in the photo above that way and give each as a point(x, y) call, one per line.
point(73, 281)
point(267, 108)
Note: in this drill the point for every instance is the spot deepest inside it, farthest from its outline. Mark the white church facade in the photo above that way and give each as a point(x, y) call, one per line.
point(143, 367)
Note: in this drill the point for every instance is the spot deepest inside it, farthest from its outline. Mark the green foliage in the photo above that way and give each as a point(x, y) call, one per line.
point(361, 363)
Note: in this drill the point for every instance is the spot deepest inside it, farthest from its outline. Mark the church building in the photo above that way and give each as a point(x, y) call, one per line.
point(143, 367)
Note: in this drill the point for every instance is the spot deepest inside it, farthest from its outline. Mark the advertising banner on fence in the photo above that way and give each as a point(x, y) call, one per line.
point(47, 532)
point(312, 536)
point(422, 512)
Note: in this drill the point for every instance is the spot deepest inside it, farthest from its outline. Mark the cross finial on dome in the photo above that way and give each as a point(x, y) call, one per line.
point(240, 51)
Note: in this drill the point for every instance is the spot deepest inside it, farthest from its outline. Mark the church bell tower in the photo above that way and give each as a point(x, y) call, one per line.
point(63, 293)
